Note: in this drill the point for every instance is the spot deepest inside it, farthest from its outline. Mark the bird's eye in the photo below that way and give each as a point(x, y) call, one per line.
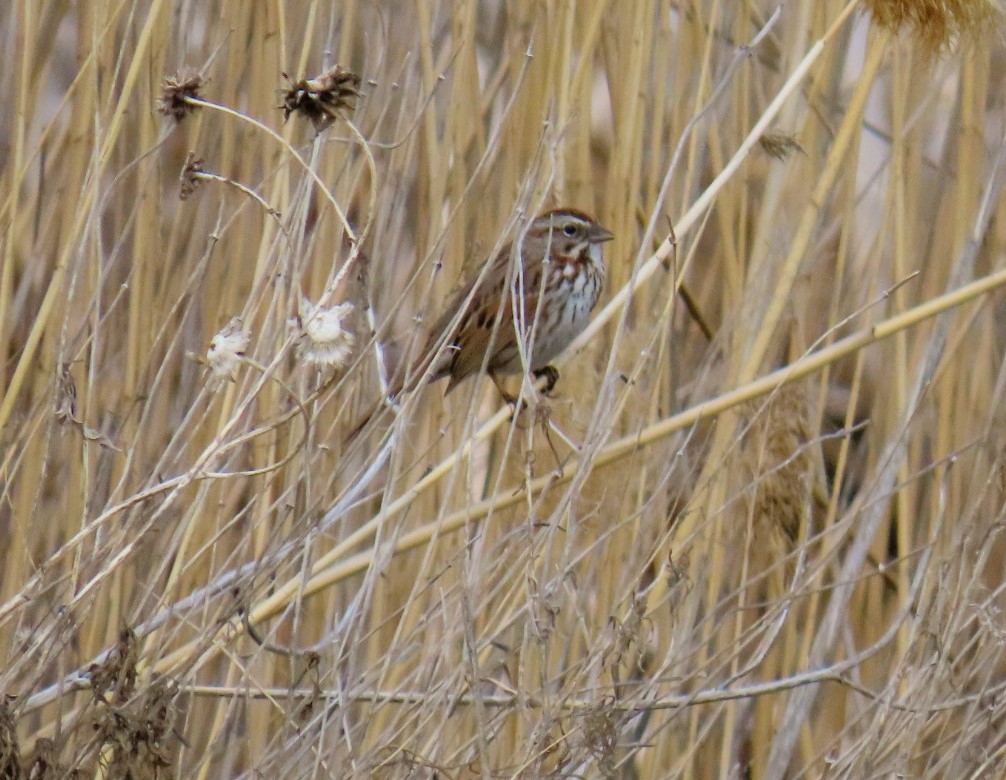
point(569, 230)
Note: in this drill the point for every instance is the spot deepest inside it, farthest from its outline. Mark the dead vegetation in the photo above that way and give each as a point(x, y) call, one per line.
point(757, 529)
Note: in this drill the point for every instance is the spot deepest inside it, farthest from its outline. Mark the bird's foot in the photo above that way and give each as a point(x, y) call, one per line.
point(550, 375)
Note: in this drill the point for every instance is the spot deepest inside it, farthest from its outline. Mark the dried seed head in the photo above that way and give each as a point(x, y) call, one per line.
point(937, 24)
point(175, 93)
point(326, 340)
point(116, 675)
point(323, 98)
point(600, 736)
point(190, 178)
point(138, 735)
point(227, 348)
point(9, 749)
point(66, 397)
point(779, 145)
point(780, 459)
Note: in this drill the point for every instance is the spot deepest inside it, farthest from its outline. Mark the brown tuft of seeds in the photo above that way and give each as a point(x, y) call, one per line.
point(779, 145)
point(175, 95)
point(323, 98)
point(780, 456)
point(117, 675)
point(190, 178)
point(936, 23)
point(600, 736)
point(66, 399)
point(137, 738)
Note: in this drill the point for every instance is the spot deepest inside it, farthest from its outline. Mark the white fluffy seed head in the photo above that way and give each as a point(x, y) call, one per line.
point(226, 349)
point(327, 340)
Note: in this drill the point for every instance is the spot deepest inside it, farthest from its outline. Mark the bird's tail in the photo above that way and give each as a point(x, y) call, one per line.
point(414, 378)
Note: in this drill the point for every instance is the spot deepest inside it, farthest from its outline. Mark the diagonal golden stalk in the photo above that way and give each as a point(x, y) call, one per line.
point(692, 217)
point(334, 567)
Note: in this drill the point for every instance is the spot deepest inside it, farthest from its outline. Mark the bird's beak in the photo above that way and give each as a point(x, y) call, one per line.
point(599, 234)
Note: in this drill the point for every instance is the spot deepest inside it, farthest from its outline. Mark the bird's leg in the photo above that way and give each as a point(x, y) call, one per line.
point(511, 400)
point(551, 375)
point(551, 446)
point(540, 409)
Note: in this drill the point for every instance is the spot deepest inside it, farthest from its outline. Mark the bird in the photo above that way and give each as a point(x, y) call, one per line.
point(558, 278)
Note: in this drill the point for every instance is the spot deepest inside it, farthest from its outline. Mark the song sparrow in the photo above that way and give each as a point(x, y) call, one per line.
point(558, 280)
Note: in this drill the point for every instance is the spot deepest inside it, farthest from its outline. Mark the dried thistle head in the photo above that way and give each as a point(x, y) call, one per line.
point(326, 340)
point(191, 176)
point(936, 23)
point(227, 348)
point(323, 98)
point(175, 95)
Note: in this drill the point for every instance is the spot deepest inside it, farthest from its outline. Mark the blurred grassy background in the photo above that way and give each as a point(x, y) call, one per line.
point(694, 572)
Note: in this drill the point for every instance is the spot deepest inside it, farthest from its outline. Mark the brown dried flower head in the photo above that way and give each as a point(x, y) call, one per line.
point(323, 98)
point(175, 94)
point(779, 145)
point(191, 176)
point(116, 675)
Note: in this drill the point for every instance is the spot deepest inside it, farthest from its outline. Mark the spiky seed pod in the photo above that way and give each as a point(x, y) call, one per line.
point(175, 94)
point(324, 98)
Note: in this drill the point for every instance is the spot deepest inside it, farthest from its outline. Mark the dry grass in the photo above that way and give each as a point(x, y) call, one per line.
point(696, 569)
